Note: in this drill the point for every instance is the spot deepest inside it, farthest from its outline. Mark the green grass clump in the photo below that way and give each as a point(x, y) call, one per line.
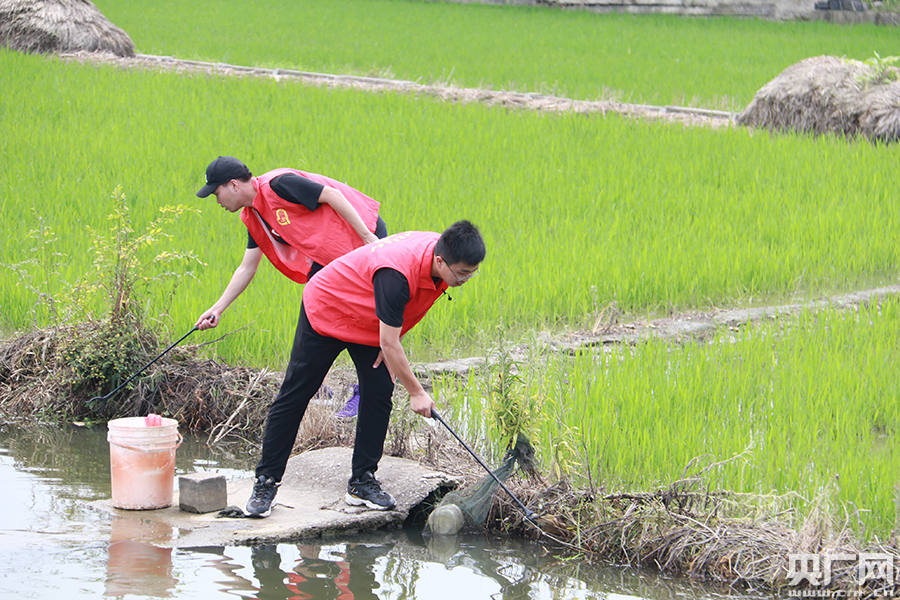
point(654, 59)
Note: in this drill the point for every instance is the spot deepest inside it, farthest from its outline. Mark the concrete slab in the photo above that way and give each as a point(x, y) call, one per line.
point(310, 503)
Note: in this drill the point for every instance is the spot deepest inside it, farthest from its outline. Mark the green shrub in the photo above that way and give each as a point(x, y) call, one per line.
point(104, 329)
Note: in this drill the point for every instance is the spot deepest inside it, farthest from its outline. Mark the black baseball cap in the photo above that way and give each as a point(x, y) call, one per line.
point(222, 170)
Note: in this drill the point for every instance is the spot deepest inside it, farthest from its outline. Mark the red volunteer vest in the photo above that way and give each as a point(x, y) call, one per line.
point(340, 299)
point(319, 235)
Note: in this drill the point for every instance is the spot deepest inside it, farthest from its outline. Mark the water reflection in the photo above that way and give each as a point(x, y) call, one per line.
point(338, 571)
point(402, 566)
point(135, 566)
point(53, 545)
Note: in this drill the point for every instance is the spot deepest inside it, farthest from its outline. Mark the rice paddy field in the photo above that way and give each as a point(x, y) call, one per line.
point(654, 59)
point(809, 405)
point(578, 212)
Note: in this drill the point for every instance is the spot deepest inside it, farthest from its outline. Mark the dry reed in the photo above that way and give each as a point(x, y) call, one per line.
point(743, 541)
point(48, 26)
point(825, 94)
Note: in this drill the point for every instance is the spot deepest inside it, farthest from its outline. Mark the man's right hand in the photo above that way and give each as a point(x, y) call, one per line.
point(207, 320)
point(421, 404)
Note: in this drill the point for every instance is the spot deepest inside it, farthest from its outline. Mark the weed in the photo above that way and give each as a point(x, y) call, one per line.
point(883, 71)
point(39, 272)
point(102, 350)
point(513, 410)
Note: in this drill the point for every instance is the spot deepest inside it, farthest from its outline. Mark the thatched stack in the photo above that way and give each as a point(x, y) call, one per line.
point(60, 26)
point(829, 95)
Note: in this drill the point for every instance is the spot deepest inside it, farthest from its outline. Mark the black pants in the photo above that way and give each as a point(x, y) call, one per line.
point(311, 357)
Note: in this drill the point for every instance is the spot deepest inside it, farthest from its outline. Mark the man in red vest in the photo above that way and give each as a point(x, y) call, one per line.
point(364, 302)
point(300, 221)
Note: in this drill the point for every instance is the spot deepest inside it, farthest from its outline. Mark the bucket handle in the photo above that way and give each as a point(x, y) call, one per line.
point(180, 440)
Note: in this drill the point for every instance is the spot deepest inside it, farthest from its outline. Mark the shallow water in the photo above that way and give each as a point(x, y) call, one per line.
point(54, 545)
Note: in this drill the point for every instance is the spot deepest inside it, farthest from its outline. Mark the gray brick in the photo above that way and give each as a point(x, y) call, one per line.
point(202, 492)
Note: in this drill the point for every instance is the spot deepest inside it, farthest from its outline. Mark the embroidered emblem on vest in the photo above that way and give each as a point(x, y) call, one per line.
point(282, 217)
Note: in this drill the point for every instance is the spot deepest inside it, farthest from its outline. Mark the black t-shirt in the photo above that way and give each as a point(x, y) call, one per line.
point(391, 296)
point(293, 188)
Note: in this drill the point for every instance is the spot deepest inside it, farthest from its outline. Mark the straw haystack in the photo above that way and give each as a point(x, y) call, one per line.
point(60, 26)
point(830, 95)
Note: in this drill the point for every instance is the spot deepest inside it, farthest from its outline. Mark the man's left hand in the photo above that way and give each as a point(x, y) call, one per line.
point(380, 360)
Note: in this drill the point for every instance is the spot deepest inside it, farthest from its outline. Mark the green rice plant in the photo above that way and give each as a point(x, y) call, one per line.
point(37, 272)
point(807, 405)
point(654, 59)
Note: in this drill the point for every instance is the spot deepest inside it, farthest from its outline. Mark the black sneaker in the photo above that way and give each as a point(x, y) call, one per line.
point(366, 490)
point(260, 503)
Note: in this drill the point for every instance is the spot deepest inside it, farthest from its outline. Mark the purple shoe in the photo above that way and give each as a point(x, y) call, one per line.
point(352, 407)
point(324, 393)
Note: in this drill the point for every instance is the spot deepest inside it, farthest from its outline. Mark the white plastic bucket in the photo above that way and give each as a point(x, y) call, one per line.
point(142, 462)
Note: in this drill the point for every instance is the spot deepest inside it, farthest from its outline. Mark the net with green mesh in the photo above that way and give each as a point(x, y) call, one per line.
point(468, 508)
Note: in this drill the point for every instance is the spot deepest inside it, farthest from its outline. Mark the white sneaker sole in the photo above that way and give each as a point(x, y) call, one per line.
point(354, 501)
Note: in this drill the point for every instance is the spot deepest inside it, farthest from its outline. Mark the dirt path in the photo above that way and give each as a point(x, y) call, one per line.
point(677, 329)
point(536, 102)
